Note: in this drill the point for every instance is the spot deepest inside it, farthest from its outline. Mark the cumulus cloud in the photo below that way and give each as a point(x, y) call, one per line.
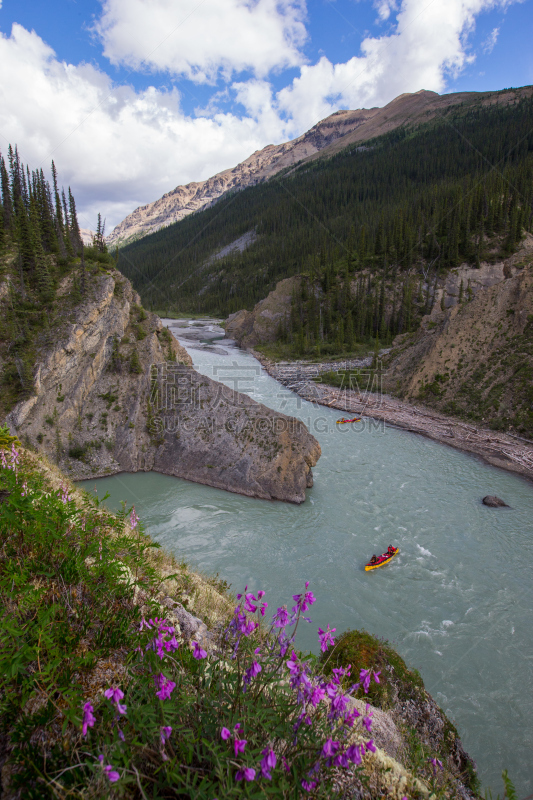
point(117, 148)
point(384, 9)
point(428, 44)
point(201, 39)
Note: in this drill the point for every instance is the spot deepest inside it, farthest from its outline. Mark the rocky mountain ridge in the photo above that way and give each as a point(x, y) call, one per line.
point(116, 392)
point(261, 165)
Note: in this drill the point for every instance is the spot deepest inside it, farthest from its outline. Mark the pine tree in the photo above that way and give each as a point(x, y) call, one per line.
point(74, 229)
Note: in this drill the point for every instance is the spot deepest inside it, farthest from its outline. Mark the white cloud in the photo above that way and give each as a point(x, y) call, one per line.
point(428, 44)
point(385, 8)
point(490, 42)
point(202, 38)
point(117, 148)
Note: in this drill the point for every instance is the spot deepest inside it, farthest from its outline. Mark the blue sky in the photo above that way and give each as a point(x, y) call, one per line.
point(133, 97)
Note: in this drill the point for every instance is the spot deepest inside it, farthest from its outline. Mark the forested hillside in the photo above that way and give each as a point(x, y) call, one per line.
point(405, 207)
point(40, 247)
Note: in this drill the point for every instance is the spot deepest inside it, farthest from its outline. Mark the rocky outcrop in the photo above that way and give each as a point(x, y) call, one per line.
point(475, 357)
point(116, 392)
point(262, 324)
point(415, 108)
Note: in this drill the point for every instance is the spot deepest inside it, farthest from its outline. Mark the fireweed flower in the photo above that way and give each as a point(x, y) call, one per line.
point(281, 618)
point(309, 785)
point(166, 687)
point(14, 457)
point(329, 748)
point(225, 734)
point(354, 753)
point(65, 497)
point(248, 774)
point(111, 773)
point(116, 695)
point(326, 638)
point(134, 519)
point(436, 763)
point(303, 601)
point(24, 489)
point(198, 652)
point(4, 460)
point(239, 745)
point(251, 673)
point(268, 762)
point(88, 718)
point(165, 733)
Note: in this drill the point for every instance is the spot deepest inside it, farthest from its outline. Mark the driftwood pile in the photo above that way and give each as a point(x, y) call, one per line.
point(504, 450)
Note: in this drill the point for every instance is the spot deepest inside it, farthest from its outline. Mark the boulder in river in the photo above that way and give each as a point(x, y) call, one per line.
point(494, 502)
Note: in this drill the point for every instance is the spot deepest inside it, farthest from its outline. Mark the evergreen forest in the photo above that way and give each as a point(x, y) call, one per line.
point(44, 269)
point(370, 230)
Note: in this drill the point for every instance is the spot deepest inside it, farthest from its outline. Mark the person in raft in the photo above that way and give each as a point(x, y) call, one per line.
point(391, 549)
point(374, 560)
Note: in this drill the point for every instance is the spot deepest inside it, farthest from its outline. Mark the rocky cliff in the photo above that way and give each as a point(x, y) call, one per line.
point(473, 355)
point(262, 324)
point(116, 392)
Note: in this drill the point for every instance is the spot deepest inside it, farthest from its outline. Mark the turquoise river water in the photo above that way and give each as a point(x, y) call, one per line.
point(456, 603)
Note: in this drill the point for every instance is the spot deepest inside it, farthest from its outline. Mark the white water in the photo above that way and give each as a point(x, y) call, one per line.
point(457, 601)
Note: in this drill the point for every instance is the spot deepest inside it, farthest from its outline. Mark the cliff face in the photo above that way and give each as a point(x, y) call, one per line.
point(475, 357)
point(262, 324)
point(116, 392)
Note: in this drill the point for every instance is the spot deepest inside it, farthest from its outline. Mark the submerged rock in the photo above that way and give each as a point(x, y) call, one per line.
point(494, 502)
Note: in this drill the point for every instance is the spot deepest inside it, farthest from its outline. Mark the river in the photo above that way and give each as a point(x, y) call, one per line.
point(457, 601)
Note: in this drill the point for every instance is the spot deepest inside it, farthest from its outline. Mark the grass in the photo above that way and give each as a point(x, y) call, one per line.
point(279, 351)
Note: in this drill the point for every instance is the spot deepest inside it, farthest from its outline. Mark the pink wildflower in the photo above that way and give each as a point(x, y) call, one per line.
point(166, 730)
point(116, 695)
point(166, 687)
point(88, 718)
point(248, 774)
point(198, 652)
point(268, 763)
point(134, 519)
point(112, 774)
point(326, 638)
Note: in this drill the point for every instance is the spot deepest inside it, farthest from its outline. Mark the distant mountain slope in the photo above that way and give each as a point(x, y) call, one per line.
point(457, 188)
point(261, 165)
point(327, 137)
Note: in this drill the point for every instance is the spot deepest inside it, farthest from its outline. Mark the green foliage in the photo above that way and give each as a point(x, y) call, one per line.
point(411, 200)
point(6, 439)
point(135, 363)
point(70, 629)
point(510, 791)
point(41, 233)
point(364, 651)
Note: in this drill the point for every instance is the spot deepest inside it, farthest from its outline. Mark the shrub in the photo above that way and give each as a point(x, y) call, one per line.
point(135, 363)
